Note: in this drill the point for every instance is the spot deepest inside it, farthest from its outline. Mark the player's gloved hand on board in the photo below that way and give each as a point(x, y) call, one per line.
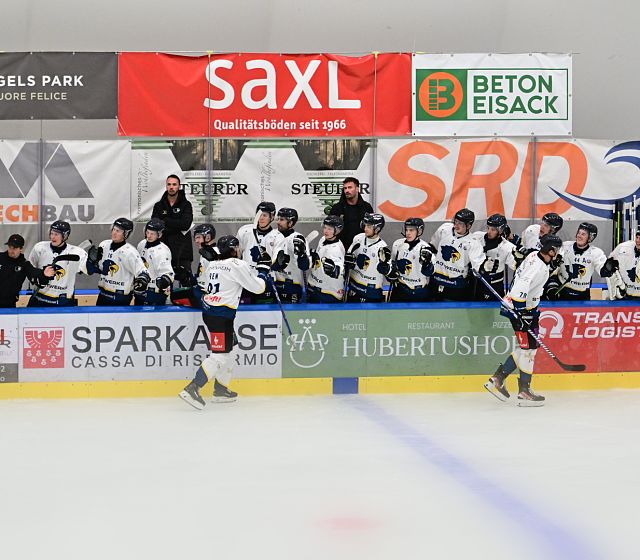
point(184, 276)
point(299, 245)
point(329, 267)
point(425, 255)
point(163, 282)
point(140, 283)
point(282, 260)
point(609, 267)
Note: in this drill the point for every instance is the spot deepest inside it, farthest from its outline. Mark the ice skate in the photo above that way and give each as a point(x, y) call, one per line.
point(191, 395)
point(526, 397)
point(222, 394)
point(496, 385)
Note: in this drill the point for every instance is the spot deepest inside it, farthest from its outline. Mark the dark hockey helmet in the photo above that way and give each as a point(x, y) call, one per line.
point(590, 228)
point(465, 216)
point(335, 222)
point(227, 245)
point(63, 228)
point(125, 225)
point(207, 231)
point(554, 221)
point(268, 207)
point(375, 220)
point(290, 214)
point(154, 224)
point(550, 241)
point(417, 223)
point(497, 221)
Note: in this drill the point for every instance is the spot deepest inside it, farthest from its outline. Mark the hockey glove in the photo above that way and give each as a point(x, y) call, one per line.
point(384, 254)
point(393, 275)
point(329, 267)
point(552, 289)
point(425, 255)
point(489, 266)
point(522, 321)
point(299, 246)
point(315, 260)
point(184, 276)
point(609, 267)
point(282, 261)
point(616, 286)
point(255, 253)
point(263, 266)
point(94, 255)
point(140, 283)
point(208, 252)
point(349, 260)
point(163, 282)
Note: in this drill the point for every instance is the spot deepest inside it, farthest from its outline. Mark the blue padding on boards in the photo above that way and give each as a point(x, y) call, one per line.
point(345, 385)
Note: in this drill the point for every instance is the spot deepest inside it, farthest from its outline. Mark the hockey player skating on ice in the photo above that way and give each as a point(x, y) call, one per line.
point(258, 239)
point(369, 262)
point(412, 258)
point(524, 297)
point(290, 258)
point(157, 258)
point(120, 266)
point(580, 261)
point(625, 282)
point(495, 256)
point(226, 278)
point(326, 278)
point(451, 279)
point(551, 223)
point(59, 291)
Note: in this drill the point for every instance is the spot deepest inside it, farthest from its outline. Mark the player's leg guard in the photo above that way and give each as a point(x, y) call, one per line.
point(496, 384)
point(525, 361)
point(221, 391)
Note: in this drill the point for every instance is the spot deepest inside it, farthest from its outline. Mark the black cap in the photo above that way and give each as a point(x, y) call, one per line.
point(16, 241)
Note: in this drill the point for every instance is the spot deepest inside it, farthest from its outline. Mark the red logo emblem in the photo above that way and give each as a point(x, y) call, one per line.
point(217, 341)
point(43, 348)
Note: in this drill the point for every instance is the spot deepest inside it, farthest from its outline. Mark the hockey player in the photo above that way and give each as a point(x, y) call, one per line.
point(226, 278)
point(290, 258)
point(120, 266)
point(496, 253)
point(551, 223)
point(256, 240)
point(625, 282)
point(412, 258)
point(580, 261)
point(451, 279)
point(156, 256)
point(369, 262)
point(524, 298)
point(326, 280)
point(59, 291)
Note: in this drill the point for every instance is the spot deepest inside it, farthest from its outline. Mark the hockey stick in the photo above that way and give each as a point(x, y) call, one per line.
point(311, 236)
point(284, 315)
point(516, 315)
point(347, 275)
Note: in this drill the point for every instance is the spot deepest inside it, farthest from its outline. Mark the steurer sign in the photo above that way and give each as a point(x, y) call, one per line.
point(58, 85)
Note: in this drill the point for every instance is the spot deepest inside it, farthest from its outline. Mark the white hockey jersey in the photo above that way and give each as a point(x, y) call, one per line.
point(250, 246)
point(333, 250)
point(157, 259)
point(119, 267)
point(407, 260)
point(452, 261)
point(629, 258)
point(580, 265)
point(201, 273)
point(292, 272)
point(225, 280)
point(366, 272)
point(502, 255)
point(63, 284)
point(528, 282)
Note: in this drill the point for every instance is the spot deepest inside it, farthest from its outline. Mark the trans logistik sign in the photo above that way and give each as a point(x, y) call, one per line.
point(475, 95)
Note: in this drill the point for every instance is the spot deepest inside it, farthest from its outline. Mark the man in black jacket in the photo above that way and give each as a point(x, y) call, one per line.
point(14, 268)
point(351, 208)
point(177, 214)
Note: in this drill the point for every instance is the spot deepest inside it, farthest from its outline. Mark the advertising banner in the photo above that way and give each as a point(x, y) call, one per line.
point(304, 174)
point(8, 348)
point(159, 345)
point(263, 95)
point(432, 179)
point(84, 181)
point(58, 85)
point(492, 94)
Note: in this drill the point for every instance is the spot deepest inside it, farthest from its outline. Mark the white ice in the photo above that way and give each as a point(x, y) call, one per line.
point(353, 477)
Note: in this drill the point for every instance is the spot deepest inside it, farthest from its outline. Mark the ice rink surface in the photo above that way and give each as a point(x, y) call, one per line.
point(430, 476)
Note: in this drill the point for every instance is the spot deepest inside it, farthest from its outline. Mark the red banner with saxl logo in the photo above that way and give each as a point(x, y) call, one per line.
point(264, 95)
point(603, 338)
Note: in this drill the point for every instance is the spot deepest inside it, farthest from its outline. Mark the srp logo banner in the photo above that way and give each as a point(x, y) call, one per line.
point(489, 94)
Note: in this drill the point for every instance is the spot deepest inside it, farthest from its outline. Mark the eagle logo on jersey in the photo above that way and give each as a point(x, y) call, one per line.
point(632, 274)
point(578, 270)
point(109, 267)
point(58, 271)
point(450, 253)
point(405, 266)
point(363, 261)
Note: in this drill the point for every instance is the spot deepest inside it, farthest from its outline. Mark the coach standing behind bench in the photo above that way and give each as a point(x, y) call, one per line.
point(177, 214)
point(351, 208)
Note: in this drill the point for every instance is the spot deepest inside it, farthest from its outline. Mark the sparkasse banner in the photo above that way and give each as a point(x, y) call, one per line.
point(491, 94)
point(240, 95)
